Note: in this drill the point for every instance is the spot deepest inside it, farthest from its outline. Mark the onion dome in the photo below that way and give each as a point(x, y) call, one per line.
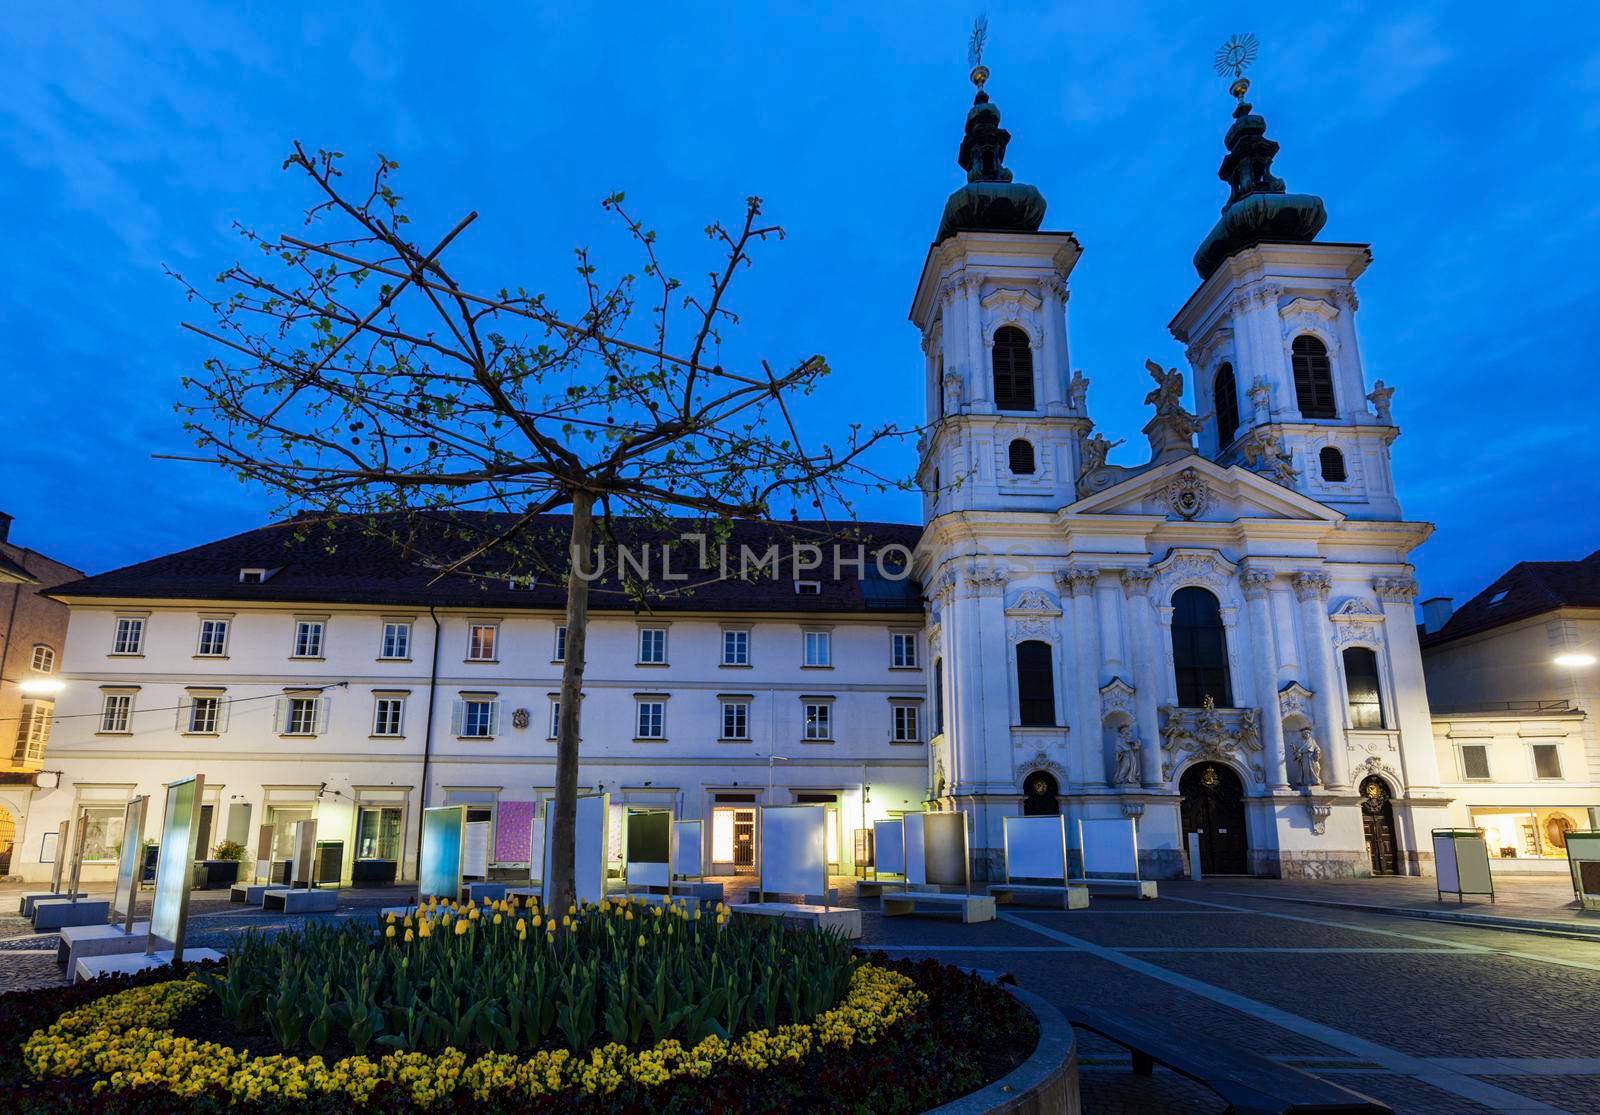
point(990, 201)
point(1259, 208)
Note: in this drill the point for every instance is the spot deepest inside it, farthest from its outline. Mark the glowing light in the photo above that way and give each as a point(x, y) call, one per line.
point(1575, 661)
point(49, 687)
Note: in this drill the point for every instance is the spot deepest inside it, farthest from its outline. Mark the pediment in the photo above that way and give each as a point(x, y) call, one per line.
point(1193, 488)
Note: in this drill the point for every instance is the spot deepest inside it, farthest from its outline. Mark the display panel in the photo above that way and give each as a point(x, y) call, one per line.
point(1110, 847)
point(305, 854)
point(1461, 863)
point(888, 847)
point(590, 845)
point(513, 834)
point(127, 885)
point(1036, 848)
point(648, 842)
point(944, 837)
point(443, 841)
point(916, 860)
point(180, 835)
point(688, 844)
point(794, 849)
point(475, 859)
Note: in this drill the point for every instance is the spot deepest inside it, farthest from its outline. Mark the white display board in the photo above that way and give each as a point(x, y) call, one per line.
point(944, 849)
point(1036, 848)
point(915, 849)
point(794, 849)
point(647, 847)
point(888, 847)
point(590, 847)
point(688, 849)
point(1110, 847)
point(475, 855)
point(1461, 862)
point(536, 840)
point(305, 854)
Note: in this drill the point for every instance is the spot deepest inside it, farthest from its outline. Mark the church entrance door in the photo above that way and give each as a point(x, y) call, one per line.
point(1213, 807)
point(1377, 821)
point(1039, 795)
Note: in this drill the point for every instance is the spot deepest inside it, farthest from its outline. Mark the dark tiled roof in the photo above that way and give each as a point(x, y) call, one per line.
point(11, 571)
point(1529, 588)
point(392, 559)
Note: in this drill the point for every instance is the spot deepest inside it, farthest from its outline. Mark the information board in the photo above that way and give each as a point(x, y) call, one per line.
point(1583, 858)
point(1461, 863)
point(180, 839)
point(1036, 849)
point(443, 841)
point(915, 855)
point(647, 845)
point(794, 850)
point(888, 848)
point(1110, 847)
point(304, 872)
point(475, 858)
point(944, 837)
point(590, 848)
point(126, 890)
point(688, 849)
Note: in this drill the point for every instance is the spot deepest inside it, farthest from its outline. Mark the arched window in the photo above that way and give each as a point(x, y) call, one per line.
point(1036, 685)
point(1013, 369)
point(1332, 462)
point(44, 659)
point(1199, 649)
point(1022, 457)
point(1361, 682)
point(1225, 401)
point(1313, 378)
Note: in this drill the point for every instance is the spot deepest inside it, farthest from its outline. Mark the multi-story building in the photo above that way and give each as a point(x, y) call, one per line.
point(336, 677)
point(33, 632)
point(1514, 683)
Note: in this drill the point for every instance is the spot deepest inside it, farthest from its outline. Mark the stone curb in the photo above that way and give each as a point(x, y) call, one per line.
point(1576, 931)
point(1045, 1084)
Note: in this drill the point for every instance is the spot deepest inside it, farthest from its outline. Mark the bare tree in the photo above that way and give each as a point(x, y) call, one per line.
point(353, 373)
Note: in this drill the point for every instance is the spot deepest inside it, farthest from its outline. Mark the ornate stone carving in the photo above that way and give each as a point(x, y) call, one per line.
point(1310, 315)
point(952, 392)
point(1397, 589)
point(1345, 296)
point(1295, 699)
point(1117, 696)
point(1078, 579)
point(1008, 306)
point(1188, 494)
point(1126, 770)
point(1206, 568)
point(1041, 761)
point(1308, 753)
point(1078, 393)
point(1311, 585)
point(1374, 765)
point(1266, 293)
point(1255, 580)
point(1132, 809)
point(1260, 393)
point(1379, 397)
point(986, 581)
point(1211, 737)
point(1171, 432)
point(1356, 621)
point(1136, 581)
point(519, 718)
point(1033, 601)
point(1093, 449)
point(1267, 455)
point(1318, 812)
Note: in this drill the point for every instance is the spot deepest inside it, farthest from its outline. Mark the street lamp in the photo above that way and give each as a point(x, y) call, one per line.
point(41, 687)
point(1575, 660)
point(770, 760)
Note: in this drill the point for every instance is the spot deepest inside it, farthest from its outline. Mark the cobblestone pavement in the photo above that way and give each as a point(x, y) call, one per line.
point(1430, 1017)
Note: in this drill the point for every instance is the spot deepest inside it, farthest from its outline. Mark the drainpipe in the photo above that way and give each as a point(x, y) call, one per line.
point(427, 739)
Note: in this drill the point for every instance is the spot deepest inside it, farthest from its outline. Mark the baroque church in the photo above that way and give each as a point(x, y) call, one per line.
point(1218, 642)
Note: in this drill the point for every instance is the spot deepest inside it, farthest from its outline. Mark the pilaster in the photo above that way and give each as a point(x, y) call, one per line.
point(1257, 584)
point(1142, 626)
point(1311, 589)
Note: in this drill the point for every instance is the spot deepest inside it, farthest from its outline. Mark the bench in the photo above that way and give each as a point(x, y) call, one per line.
point(79, 941)
point(830, 899)
point(705, 892)
point(971, 907)
point(844, 920)
point(250, 893)
point(875, 888)
point(25, 907)
point(1137, 888)
point(477, 892)
point(1250, 1083)
point(127, 964)
point(1072, 897)
point(55, 913)
point(298, 901)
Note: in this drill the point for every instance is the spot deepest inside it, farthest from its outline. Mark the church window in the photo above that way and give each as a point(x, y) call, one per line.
point(1013, 369)
point(1021, 453)
point(1332, 462)
point(1225, 400)
point(938, 696)
point(1036, 688)
point(1361, 681)
point(1313, 378)
point(1199, 649)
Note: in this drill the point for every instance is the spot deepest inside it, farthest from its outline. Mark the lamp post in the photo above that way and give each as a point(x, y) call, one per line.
point(771, 759)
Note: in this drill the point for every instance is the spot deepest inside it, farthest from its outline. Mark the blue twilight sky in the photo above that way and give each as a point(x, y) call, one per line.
point(1463, 143)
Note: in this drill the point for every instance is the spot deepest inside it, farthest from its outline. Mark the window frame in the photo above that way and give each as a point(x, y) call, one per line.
point(1012, 399)
point(397, 701)
point(902, 714)
point(479, 649)
point(741, 716)
point(1535, 747)
point(1461, 762)
point(816, 720)
point(555, 718)
point(908, 640)
point(293, 724)
point(1311, 374)
point(47, 654)
point(192, 722)
point(127, 636)
point(1352, 719)
point(560, 649)
point(1322, 465)
point(741, 641)
point(1189, 679)
point(491, 718)
point(220, 646)
point(824, 637)
point(659, 718)
point(1030, 707)
point(1226, 418)
point(1032, 459)
point(302, 629)
point(35, 715)
point(394, 641)
point(648, 635)
point(116, 724)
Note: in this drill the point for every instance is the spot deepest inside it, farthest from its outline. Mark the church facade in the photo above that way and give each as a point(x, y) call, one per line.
point(1217, 642)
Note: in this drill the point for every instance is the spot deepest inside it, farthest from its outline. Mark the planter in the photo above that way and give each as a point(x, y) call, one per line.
point(372, 872)
point(1045, 1084)
point(212, 874)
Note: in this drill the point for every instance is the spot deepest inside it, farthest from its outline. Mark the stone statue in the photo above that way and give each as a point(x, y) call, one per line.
point(1094, 449)
point(1167, 396)
point(1078, 390)
point(952, 393)
point(1260, 393)
point(1128, 748)
point(1267, 456)
point(1310, 755)
point(1379, 398)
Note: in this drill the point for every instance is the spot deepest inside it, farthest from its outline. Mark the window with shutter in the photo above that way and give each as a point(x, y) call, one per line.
point(1313, 378)
point(1013, 369)
point(1021, 455)
point(1332, 464)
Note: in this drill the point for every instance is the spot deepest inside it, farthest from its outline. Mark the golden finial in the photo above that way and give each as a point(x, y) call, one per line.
point(1235, 56)
point(980, 33)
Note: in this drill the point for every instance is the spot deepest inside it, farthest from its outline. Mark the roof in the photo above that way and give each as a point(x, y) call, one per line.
point(11, 571)
point(381, 559)
point(1529, 588)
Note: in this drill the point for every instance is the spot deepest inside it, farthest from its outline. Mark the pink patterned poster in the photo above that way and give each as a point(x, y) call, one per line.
point(514, 828)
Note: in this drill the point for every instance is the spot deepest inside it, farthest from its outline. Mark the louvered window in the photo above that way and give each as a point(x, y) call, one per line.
point(1013, 370)
point(1332, 463)
point(1225, 401)
point(1021, 454)
point(1313, 378)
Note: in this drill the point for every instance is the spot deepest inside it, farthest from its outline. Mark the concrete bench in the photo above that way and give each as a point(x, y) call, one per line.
point(79, 941)
point(1134, 888)
point(1250, 1083)
point(876, 888)
point(477, 892)
point(526, 893)
point(54, 913)
point(25, 907)
point(300, 901)
point(838, 919)
point(971, 907)
point(754, 897)
point(127, 964)
point(705, 892)
point(250, 893)
point(1074, 897)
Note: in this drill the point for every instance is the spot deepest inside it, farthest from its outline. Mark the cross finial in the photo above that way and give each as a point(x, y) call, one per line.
point(980, 35)
point(1234, 57)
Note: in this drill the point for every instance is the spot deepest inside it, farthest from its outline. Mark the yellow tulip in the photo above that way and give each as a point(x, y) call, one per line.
point(641, 940)
point(408, 936)
point(497, 919)
point(461, 929)
point(389, 932)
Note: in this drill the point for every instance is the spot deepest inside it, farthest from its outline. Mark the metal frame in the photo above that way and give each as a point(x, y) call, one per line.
point(63, 833)
point(1083, 848)
point(130, 862)
point(1454, 835)
point(185, 867)
point(901, 821)
point(761, 841)
point(461, 842)
point(77, 854)
point(628, 812)
point(1066, 860)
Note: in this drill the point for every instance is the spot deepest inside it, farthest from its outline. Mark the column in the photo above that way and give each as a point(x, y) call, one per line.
point(1284, 639)
point(1113, 652)
point(977, 348)
point(1146, 675)
point(1054, 351)
point(1419, 761)
point(1311, 589)
point(1257, 583)
point(997, 771)
point(1086, 741)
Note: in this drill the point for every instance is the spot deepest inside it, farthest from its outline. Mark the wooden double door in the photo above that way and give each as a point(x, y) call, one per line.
point(1377, 823)
point(1213, 808)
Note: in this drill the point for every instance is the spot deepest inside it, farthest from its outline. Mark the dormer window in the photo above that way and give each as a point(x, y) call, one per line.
point(255, 575)
point(808, 588)
point(1013, 369)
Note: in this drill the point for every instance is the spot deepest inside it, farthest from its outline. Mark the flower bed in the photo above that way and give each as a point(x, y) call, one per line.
point(901, 1037)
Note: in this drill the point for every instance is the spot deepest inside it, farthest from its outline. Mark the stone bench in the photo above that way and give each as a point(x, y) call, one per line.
point(300, 901)
point(54, 913)
point(876, 888)
point(127, 964)
point(705, 892)
point(1135, 888)
point(25, 907)
point(971, 907)
point(79, 941)
point(250, 893)
point(477, 892)
point(844, 920)
point(1072, 897)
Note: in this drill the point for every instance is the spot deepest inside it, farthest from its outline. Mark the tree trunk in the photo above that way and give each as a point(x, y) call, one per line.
point(581, 549)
